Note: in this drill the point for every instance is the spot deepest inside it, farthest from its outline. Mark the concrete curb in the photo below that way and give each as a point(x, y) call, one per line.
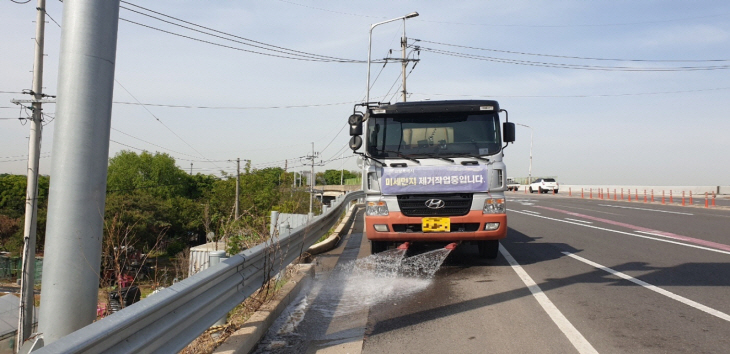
point(244, 340)
point(332, 241)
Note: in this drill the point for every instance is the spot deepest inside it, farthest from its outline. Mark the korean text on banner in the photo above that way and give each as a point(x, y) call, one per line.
point(435, 179)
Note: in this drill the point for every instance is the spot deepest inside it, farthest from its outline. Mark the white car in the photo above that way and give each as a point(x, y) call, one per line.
point(544, 185)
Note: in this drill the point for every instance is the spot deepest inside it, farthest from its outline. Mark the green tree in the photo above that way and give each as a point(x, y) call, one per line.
point(157, 174)
point(332, 177)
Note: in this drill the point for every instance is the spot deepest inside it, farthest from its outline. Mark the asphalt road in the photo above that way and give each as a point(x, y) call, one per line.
point(573, 275)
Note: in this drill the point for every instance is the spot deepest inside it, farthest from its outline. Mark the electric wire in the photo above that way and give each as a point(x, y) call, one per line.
point(578, 96)
point(574, 66)
point(576, 25)
point(163, 124)
point(231, 107)
point(573, 57)
point(258, 44)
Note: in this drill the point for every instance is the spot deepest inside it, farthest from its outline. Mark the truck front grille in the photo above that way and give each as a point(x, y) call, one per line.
point(457, 204)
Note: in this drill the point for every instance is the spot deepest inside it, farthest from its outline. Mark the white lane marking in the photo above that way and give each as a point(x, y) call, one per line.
point(627, 233)
point(656, 210)
point(657, 289)
point(583, 221)
point(577, 339)
point(531, 212)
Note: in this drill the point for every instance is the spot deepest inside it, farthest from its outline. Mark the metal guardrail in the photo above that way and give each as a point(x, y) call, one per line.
point(169, 320)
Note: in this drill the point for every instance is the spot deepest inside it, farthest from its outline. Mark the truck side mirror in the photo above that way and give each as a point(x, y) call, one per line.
point(355, 122)
point(355, 142)
point(508, 132)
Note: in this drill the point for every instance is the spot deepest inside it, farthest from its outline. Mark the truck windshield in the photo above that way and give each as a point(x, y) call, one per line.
point(433, 134)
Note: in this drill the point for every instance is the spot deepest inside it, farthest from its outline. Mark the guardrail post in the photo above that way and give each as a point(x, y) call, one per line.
point(629, 195)
point(581, 194)
point(591, 193)
point(215, 257)
point(614, 194)
point(636, 190)
point(713, 198)
point(274, 221)
point(690, 198)
point(663, 200)
point(671, 198)
point(683, 198)
point(622, 194)
point(645, 200)
point(570, 193)
point(706, 201)
point(652, 195)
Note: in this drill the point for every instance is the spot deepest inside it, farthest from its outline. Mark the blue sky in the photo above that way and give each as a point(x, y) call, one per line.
point(628, 123)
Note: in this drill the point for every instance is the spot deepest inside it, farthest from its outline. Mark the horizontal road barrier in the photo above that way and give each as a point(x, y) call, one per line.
point(167, 321)
point(696, 190)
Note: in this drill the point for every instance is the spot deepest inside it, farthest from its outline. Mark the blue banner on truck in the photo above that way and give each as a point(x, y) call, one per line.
point(434, 179)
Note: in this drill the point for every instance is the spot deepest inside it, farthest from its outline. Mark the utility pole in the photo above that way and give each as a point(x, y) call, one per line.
point(311, 179)
point(404, 62)
point(191, 168)
point(27, 280)
point(238, 181)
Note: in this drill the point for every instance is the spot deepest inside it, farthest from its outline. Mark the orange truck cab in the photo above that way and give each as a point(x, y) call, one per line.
point(433, 172)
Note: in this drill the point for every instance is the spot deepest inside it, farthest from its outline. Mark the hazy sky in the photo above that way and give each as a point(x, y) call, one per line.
point(658, 116)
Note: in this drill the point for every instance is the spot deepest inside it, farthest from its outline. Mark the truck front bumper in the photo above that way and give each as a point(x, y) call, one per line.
point(470, 227)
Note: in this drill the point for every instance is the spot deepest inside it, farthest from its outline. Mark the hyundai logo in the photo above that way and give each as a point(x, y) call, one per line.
point(435, 204)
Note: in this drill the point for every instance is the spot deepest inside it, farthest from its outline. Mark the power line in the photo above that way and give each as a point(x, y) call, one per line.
point(153, 144)
point(163, 124)
point(576, 25)
point(257, 44)
point(230, 107)
point(578, 96)
point(574, 66)
point(575, 57)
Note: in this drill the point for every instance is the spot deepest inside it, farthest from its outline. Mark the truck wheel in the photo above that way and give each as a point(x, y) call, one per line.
point(488, 249)
point(378, 246)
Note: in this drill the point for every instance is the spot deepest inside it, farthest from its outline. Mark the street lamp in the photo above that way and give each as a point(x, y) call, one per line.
point(370, 45)
point(529, 176)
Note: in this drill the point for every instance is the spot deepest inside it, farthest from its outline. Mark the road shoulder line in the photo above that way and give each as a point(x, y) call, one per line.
point(573, 335)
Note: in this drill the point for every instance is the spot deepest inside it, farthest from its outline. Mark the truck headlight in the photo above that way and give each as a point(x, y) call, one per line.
point(379, 208)
point(494, 206)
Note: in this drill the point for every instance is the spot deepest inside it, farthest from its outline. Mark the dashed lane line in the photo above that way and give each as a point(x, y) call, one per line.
point(574, 336)
point(626, 233)
point(654, 288)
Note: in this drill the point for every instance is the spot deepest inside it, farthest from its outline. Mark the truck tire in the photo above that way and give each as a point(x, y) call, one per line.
point(488, 249)
point(378, 246)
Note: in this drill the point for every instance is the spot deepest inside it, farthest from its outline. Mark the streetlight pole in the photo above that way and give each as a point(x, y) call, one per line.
point(370, 46)
point(529, 176)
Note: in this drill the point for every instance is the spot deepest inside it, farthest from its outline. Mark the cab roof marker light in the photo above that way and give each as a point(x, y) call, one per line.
point(486, 108)
point(378, 111)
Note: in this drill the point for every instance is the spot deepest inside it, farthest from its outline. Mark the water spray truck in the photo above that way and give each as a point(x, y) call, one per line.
point(433, 172)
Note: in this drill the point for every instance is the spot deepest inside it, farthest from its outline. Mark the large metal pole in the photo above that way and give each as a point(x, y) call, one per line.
point(79, 168)
point(27, 280)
